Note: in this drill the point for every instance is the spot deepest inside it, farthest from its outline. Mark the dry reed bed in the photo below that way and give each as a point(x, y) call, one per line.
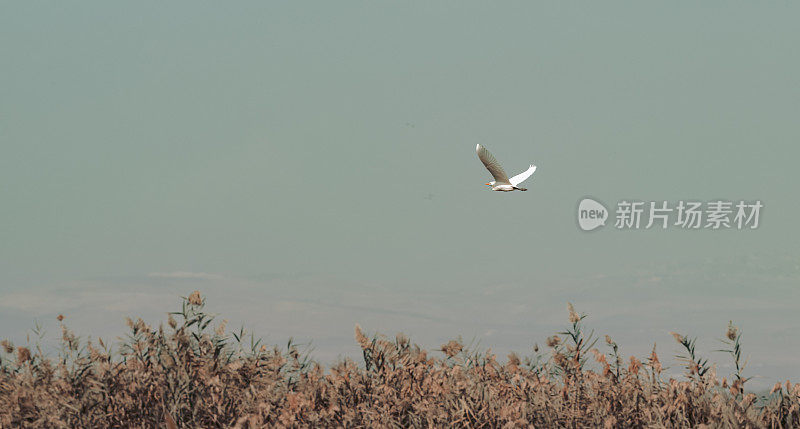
point(193, 374)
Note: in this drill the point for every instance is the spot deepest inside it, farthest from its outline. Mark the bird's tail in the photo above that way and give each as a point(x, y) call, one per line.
point(520, 189)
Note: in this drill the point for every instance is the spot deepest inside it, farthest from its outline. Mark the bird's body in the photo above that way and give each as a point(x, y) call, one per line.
point(506, 188)
point(501, 180)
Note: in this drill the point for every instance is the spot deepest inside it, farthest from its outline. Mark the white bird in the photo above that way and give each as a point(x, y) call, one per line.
point(501, 181)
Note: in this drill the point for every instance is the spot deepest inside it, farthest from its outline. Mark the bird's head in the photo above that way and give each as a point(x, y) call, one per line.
point(490, 184)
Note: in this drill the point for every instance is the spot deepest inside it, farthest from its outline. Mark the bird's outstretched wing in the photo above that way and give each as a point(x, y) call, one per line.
point(519, 178)
point(500, 176)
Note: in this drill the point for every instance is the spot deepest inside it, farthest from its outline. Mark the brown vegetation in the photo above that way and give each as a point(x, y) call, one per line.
point(190, 374)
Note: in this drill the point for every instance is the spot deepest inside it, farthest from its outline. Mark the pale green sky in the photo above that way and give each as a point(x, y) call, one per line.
point(317, 160)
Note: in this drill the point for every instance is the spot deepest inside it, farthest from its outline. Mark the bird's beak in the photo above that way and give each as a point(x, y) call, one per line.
point(488, 184)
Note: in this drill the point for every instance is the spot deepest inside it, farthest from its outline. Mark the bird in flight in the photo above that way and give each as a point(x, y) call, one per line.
point(501, 181)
